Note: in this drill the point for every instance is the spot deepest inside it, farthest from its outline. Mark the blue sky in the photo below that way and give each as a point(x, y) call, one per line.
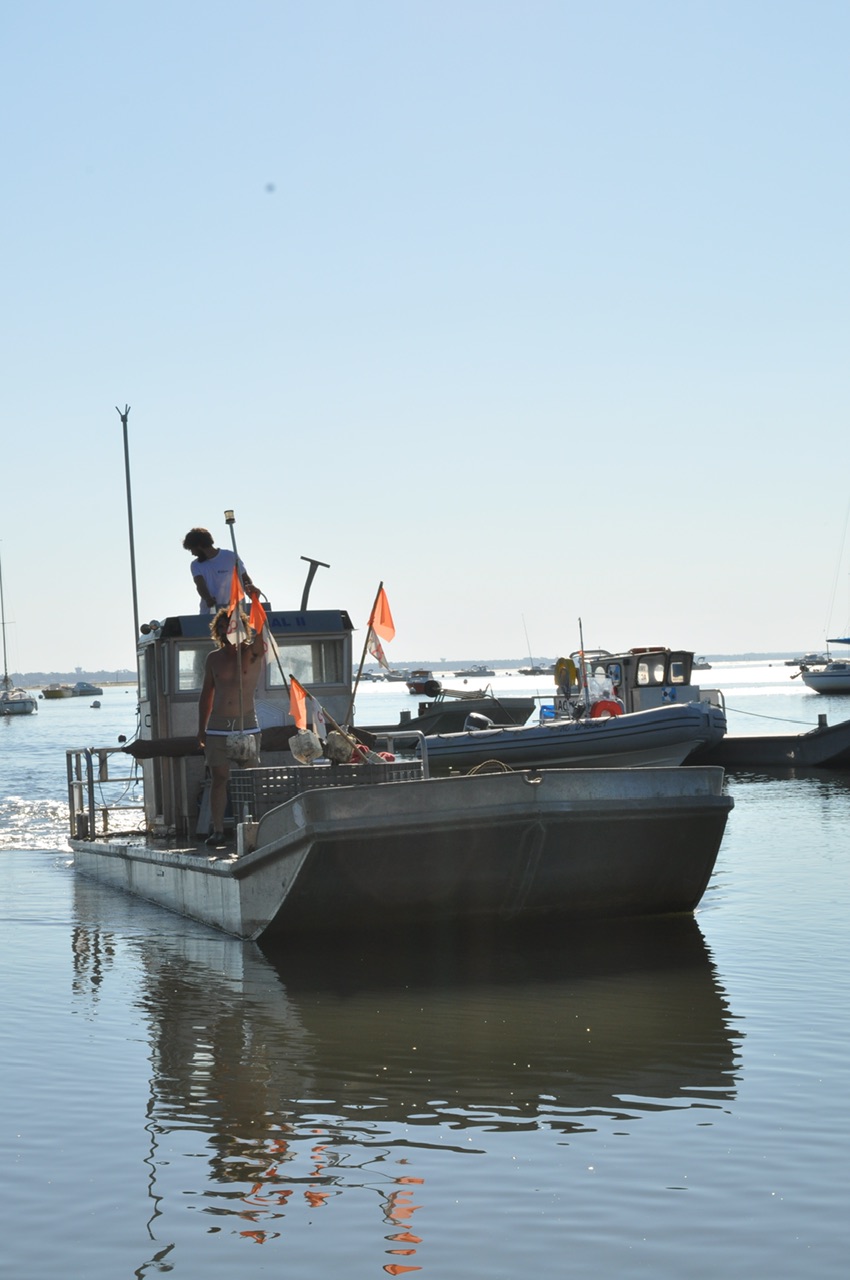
point(534, 311)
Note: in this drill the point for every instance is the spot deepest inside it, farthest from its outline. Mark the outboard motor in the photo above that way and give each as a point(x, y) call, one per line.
point(475, 720)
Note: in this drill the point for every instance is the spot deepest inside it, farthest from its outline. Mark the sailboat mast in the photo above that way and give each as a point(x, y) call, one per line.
point(3, 616)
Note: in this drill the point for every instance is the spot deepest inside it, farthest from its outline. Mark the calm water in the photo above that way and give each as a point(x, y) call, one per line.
point(669, 1101)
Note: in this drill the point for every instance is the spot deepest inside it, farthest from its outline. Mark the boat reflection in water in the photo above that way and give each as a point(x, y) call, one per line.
point(299, 1081)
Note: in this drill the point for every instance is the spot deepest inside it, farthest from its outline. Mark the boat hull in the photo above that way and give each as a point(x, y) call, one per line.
point(506, 849)
point(832, 679)
point(449, 715)
point(12, 705)
point(661, 736)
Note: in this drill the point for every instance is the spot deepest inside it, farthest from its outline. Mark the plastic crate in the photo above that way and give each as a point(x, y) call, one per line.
point(256, 791)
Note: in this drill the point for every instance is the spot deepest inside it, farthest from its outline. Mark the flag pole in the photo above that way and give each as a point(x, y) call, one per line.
point(124, 416)
point(348, 734)
point(363, 655)
point(267, 631)
point(230, 519)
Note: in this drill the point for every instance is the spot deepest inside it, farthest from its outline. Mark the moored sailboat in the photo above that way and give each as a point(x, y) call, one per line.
point(834, 677)
point(14, 701)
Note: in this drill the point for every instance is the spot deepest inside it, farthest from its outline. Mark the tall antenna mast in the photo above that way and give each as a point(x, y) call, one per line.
point(3, 614)
point(124, 416)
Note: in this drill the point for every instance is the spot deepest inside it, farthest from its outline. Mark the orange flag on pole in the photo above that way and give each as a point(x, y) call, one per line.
point(381, 620)
point(257, 616)
point(236, 592)
point(297, 703)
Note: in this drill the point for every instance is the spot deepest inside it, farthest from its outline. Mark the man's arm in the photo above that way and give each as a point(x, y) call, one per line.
point(203, 589)
point(205, 702)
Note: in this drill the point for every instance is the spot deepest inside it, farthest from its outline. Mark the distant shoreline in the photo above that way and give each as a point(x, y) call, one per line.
point(37, 680)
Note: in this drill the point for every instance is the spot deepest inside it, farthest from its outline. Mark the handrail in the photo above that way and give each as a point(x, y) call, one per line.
point(83, 779)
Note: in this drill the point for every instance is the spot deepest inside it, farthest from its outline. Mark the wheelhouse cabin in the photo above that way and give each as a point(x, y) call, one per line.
point(313, 645)
point(641, 678)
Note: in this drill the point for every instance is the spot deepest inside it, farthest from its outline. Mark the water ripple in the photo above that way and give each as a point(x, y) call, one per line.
point(33, 824)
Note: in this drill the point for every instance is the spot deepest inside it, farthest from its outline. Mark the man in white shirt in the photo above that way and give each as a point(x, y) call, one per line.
point(212, 570)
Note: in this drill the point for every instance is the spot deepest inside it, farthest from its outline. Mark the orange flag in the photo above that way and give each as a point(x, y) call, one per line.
point(257, 616)
point(236, 592)
point(297, 703)
point(381, 620)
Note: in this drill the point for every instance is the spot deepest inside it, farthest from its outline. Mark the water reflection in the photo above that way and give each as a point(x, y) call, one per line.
point(297, 1079)
point(824, 781)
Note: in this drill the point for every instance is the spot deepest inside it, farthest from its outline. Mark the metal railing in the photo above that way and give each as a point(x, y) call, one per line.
point(91, 794)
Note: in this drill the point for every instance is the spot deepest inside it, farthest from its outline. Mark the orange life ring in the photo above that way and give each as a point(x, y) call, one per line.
point(605, 707)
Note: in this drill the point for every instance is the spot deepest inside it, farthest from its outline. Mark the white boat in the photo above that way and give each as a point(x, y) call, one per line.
point(833, 678)
point(614, 710)
point(327, 849)
point(14, 701)
point(475, 673)
point(808, 660)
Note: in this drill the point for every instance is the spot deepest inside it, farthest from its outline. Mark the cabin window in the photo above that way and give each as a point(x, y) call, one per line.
point(191, 661)
point(650, 671)
point(312, 663)
point(677, 672)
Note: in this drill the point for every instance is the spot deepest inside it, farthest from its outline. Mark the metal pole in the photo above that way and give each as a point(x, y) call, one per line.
point(6, 680)
point(124, 416)
point(363, 655)
point(583, 681)
point(311, 573)
point(230, 519)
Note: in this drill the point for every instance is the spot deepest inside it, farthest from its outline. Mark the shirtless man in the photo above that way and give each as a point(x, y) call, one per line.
point(221, 711)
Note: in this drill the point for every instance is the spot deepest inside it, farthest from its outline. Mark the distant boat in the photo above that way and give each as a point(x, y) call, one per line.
point(475, 673)
point(57, 691)
point(14, 701)
point(832, 678)
point(82, 689)
point(701, 664)
point(422, 681)
point(808, 660)
point(612, 710)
